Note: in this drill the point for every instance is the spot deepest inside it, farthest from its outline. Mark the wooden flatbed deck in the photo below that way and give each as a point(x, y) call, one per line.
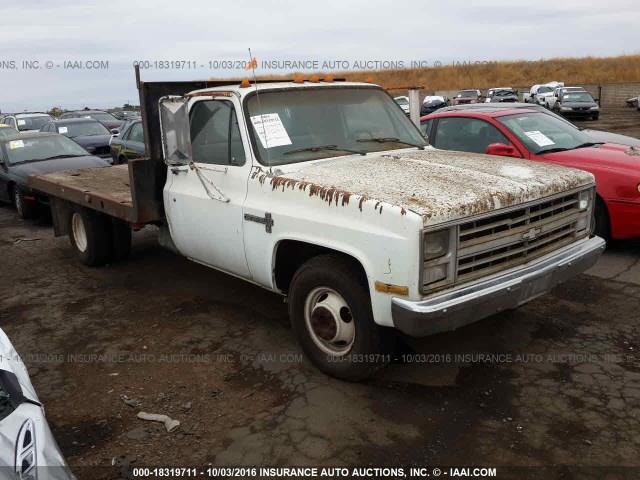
point(106, 189)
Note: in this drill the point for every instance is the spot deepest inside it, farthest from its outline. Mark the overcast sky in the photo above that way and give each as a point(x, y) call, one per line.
point(120, 32)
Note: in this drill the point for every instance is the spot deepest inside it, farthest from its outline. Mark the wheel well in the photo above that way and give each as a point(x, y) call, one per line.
point(291, 254)
point(600, 200)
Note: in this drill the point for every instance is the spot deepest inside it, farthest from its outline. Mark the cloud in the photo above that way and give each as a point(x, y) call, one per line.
point(121, 32)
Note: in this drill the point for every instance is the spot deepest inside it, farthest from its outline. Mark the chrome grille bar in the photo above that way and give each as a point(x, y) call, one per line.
point(502, 241)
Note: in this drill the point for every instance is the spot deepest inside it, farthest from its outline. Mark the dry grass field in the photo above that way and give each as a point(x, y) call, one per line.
point(591, 70)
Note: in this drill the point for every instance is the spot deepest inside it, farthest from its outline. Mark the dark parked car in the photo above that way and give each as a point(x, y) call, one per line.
point(104, 118)
point(467, 96)
point(36, 153)
point(126, 114)
point(129, 143)
point(86, 132)
point(577, 104)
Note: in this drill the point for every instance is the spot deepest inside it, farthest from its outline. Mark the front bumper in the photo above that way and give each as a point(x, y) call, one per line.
point(510, 289)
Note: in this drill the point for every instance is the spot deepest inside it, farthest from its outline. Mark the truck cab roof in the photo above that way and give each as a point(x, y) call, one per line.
point(244, 90)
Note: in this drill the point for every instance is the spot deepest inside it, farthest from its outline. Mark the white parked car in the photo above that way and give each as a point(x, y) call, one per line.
point(539, 93)
point(403, 102)
point(28, 450)
point(26, 122)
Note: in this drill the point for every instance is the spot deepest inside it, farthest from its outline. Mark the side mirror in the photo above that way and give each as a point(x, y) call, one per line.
point(115, 132)
point(175, 130)
point(502, 150)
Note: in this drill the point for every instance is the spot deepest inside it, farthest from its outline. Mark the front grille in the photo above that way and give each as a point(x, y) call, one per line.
point(502, 241)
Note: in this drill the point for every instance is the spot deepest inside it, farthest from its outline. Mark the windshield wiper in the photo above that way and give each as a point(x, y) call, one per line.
point(551, 150)
point(588, 144)
point(564, 149)
point(325, 147)
point(61, 156)
point(391, 140)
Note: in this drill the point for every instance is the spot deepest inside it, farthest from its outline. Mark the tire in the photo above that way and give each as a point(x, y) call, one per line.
point(603, 224)
point(122, 159)
point(595, 117)
point(317, 291)
point(120, 240)
point(25, 209)
point(90, 236)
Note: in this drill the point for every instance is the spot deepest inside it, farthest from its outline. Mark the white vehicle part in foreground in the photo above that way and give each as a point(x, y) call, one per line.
point(27, 446)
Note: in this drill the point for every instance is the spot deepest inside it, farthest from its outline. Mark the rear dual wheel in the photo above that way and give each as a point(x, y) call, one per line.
point(98, 239)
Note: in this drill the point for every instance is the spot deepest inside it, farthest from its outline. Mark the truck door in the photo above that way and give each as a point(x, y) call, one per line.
point(203, 200)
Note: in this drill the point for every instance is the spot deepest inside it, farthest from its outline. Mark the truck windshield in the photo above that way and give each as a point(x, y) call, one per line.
point(301, 124)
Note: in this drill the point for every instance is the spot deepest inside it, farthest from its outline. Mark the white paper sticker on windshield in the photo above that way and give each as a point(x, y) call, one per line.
point(540, 138)
point(63, 130)
point(22, 122)
point(270, 130)
point(16, 144)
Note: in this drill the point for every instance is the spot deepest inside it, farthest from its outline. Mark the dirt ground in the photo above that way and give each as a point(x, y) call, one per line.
point(623, 120)
point(555, 383)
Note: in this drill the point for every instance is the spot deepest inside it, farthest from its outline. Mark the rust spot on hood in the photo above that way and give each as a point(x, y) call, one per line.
point(331, 195)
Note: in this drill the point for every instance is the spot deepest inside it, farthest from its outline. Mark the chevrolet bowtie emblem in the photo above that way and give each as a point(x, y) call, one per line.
point(531, 234)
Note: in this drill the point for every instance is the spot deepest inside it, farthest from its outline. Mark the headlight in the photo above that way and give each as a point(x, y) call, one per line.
point(585, 204)
point(439, 260)
point(584, 199)
point(595, 108)
point(435, 274)
point(436, 244)
point(566, 109)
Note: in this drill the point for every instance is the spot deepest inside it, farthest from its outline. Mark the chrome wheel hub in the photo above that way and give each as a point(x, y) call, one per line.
point(329, 321)
point(79, 232)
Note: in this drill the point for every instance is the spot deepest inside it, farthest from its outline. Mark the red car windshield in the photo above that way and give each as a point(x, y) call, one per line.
point(542, 133)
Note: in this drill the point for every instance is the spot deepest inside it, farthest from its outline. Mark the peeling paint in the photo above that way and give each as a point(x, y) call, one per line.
point(437, 185)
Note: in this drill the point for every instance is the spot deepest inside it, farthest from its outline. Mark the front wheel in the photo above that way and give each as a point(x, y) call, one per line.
point(331, 316)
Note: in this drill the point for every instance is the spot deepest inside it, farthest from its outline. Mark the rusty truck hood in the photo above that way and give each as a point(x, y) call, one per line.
point(438, 185)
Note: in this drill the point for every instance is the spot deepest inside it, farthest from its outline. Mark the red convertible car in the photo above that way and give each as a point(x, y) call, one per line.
point(536, 135)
